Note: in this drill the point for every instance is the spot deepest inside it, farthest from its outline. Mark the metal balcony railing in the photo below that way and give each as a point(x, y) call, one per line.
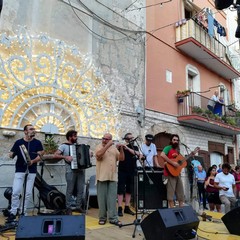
point(196, 104)
point(192, 29)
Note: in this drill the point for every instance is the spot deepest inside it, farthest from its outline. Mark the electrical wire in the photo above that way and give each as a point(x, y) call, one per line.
point(128, 30)
point(90, 15)
point(152, 5)
point(128, 6)
point(121, 30)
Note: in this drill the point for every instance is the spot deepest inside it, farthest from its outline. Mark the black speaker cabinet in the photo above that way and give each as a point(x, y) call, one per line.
point(52, 226)
point(231, 221)
point(150, 192)
point(170, 224)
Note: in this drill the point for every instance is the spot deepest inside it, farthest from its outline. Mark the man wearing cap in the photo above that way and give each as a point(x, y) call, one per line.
point(149, 152)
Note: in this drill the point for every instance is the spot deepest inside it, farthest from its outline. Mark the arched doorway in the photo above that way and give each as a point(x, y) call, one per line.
point(161, 140)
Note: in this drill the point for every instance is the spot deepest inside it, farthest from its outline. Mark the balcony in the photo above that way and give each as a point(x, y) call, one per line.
point(194, 41)
point(193, 111)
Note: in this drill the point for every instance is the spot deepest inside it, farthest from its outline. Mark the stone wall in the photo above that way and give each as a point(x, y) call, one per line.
point(117, 50)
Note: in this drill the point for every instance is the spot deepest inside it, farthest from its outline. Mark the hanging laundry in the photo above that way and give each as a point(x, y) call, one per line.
point(210, 25)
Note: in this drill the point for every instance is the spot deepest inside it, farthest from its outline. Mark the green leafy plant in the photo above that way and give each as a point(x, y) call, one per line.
point(231, 121)
point(183, 93)
point(197, 109)
point(50, 146)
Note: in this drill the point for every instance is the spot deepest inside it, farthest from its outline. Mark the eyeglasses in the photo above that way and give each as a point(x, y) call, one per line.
point(106, 139)
point(129, 138)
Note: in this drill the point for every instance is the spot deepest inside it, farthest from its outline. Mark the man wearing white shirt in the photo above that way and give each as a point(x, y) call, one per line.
point(149, 152)
point(225, 182)
point(213, 100)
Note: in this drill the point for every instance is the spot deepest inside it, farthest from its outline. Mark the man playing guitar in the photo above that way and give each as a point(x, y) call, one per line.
point(174, 183)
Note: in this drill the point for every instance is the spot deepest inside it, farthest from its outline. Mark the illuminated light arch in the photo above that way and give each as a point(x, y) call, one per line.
point(49, 83)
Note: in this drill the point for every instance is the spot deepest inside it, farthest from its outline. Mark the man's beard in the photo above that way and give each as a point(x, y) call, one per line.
point(175, 145)
point(73, 141)
point(32, 135)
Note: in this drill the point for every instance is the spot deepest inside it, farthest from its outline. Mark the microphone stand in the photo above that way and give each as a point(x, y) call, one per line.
point(24, 189)
point(42, 164)
point(137, 220)
point(192, 182)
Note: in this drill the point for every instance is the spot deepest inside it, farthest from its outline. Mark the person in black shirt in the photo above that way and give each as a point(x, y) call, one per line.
point(27, 151)
point(126, 171)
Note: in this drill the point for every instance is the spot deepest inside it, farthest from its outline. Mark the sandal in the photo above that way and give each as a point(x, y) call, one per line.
point(116, 222)
point(102, 222)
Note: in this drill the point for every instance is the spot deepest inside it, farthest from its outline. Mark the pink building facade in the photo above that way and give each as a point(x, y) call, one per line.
point(186, 49)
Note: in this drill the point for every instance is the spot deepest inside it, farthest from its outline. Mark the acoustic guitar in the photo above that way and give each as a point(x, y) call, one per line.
point(182, 161)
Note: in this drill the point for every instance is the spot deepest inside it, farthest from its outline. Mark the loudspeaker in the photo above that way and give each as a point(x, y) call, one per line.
point(150, 192)
point(64, 227)
point(231, 222)
point(171, 224)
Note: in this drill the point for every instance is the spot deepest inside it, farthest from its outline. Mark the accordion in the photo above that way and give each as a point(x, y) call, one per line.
point(81, 156)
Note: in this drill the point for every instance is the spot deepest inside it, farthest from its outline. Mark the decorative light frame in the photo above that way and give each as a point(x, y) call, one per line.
point(46, 82)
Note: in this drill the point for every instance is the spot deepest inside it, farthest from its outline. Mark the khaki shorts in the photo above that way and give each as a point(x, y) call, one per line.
point(175, 186)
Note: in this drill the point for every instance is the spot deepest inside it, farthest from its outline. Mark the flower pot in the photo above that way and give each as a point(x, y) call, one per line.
point(180, 99)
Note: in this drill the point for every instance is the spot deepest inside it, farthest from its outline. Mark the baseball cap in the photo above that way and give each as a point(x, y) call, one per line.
point(149, 137)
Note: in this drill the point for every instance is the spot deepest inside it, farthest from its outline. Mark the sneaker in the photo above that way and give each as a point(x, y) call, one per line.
point(11, 218)
point(120, 213)
point(128, 210)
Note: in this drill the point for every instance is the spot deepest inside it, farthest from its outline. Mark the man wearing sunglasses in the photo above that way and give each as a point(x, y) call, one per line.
point(107, 156)
point(126, 171)
point(149, 152)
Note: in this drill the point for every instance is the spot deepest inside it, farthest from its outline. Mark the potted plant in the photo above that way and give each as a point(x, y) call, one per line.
point(197, 110)
point(50, 147)
point(181, 94)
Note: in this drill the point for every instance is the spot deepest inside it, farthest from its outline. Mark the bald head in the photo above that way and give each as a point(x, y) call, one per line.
point(200, 168)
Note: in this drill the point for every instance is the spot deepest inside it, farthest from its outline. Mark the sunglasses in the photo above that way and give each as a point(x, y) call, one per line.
point(106, 139)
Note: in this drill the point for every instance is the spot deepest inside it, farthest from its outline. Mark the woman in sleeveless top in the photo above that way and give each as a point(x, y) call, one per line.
point(212, 192)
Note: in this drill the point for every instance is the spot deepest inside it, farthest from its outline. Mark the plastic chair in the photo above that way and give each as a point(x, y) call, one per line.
point(91, 190)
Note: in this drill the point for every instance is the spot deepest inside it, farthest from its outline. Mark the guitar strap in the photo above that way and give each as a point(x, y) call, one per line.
point(68, 144)
point(170, 155)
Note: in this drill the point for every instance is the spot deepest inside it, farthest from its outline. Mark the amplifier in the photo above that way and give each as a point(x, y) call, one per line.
point(150, 192)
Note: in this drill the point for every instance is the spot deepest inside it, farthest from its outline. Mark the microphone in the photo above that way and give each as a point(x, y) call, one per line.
point(184, 145)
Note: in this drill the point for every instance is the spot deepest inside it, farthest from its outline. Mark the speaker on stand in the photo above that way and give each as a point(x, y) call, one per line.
point(171, 224)
point(64, 227)
point(150, 192)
